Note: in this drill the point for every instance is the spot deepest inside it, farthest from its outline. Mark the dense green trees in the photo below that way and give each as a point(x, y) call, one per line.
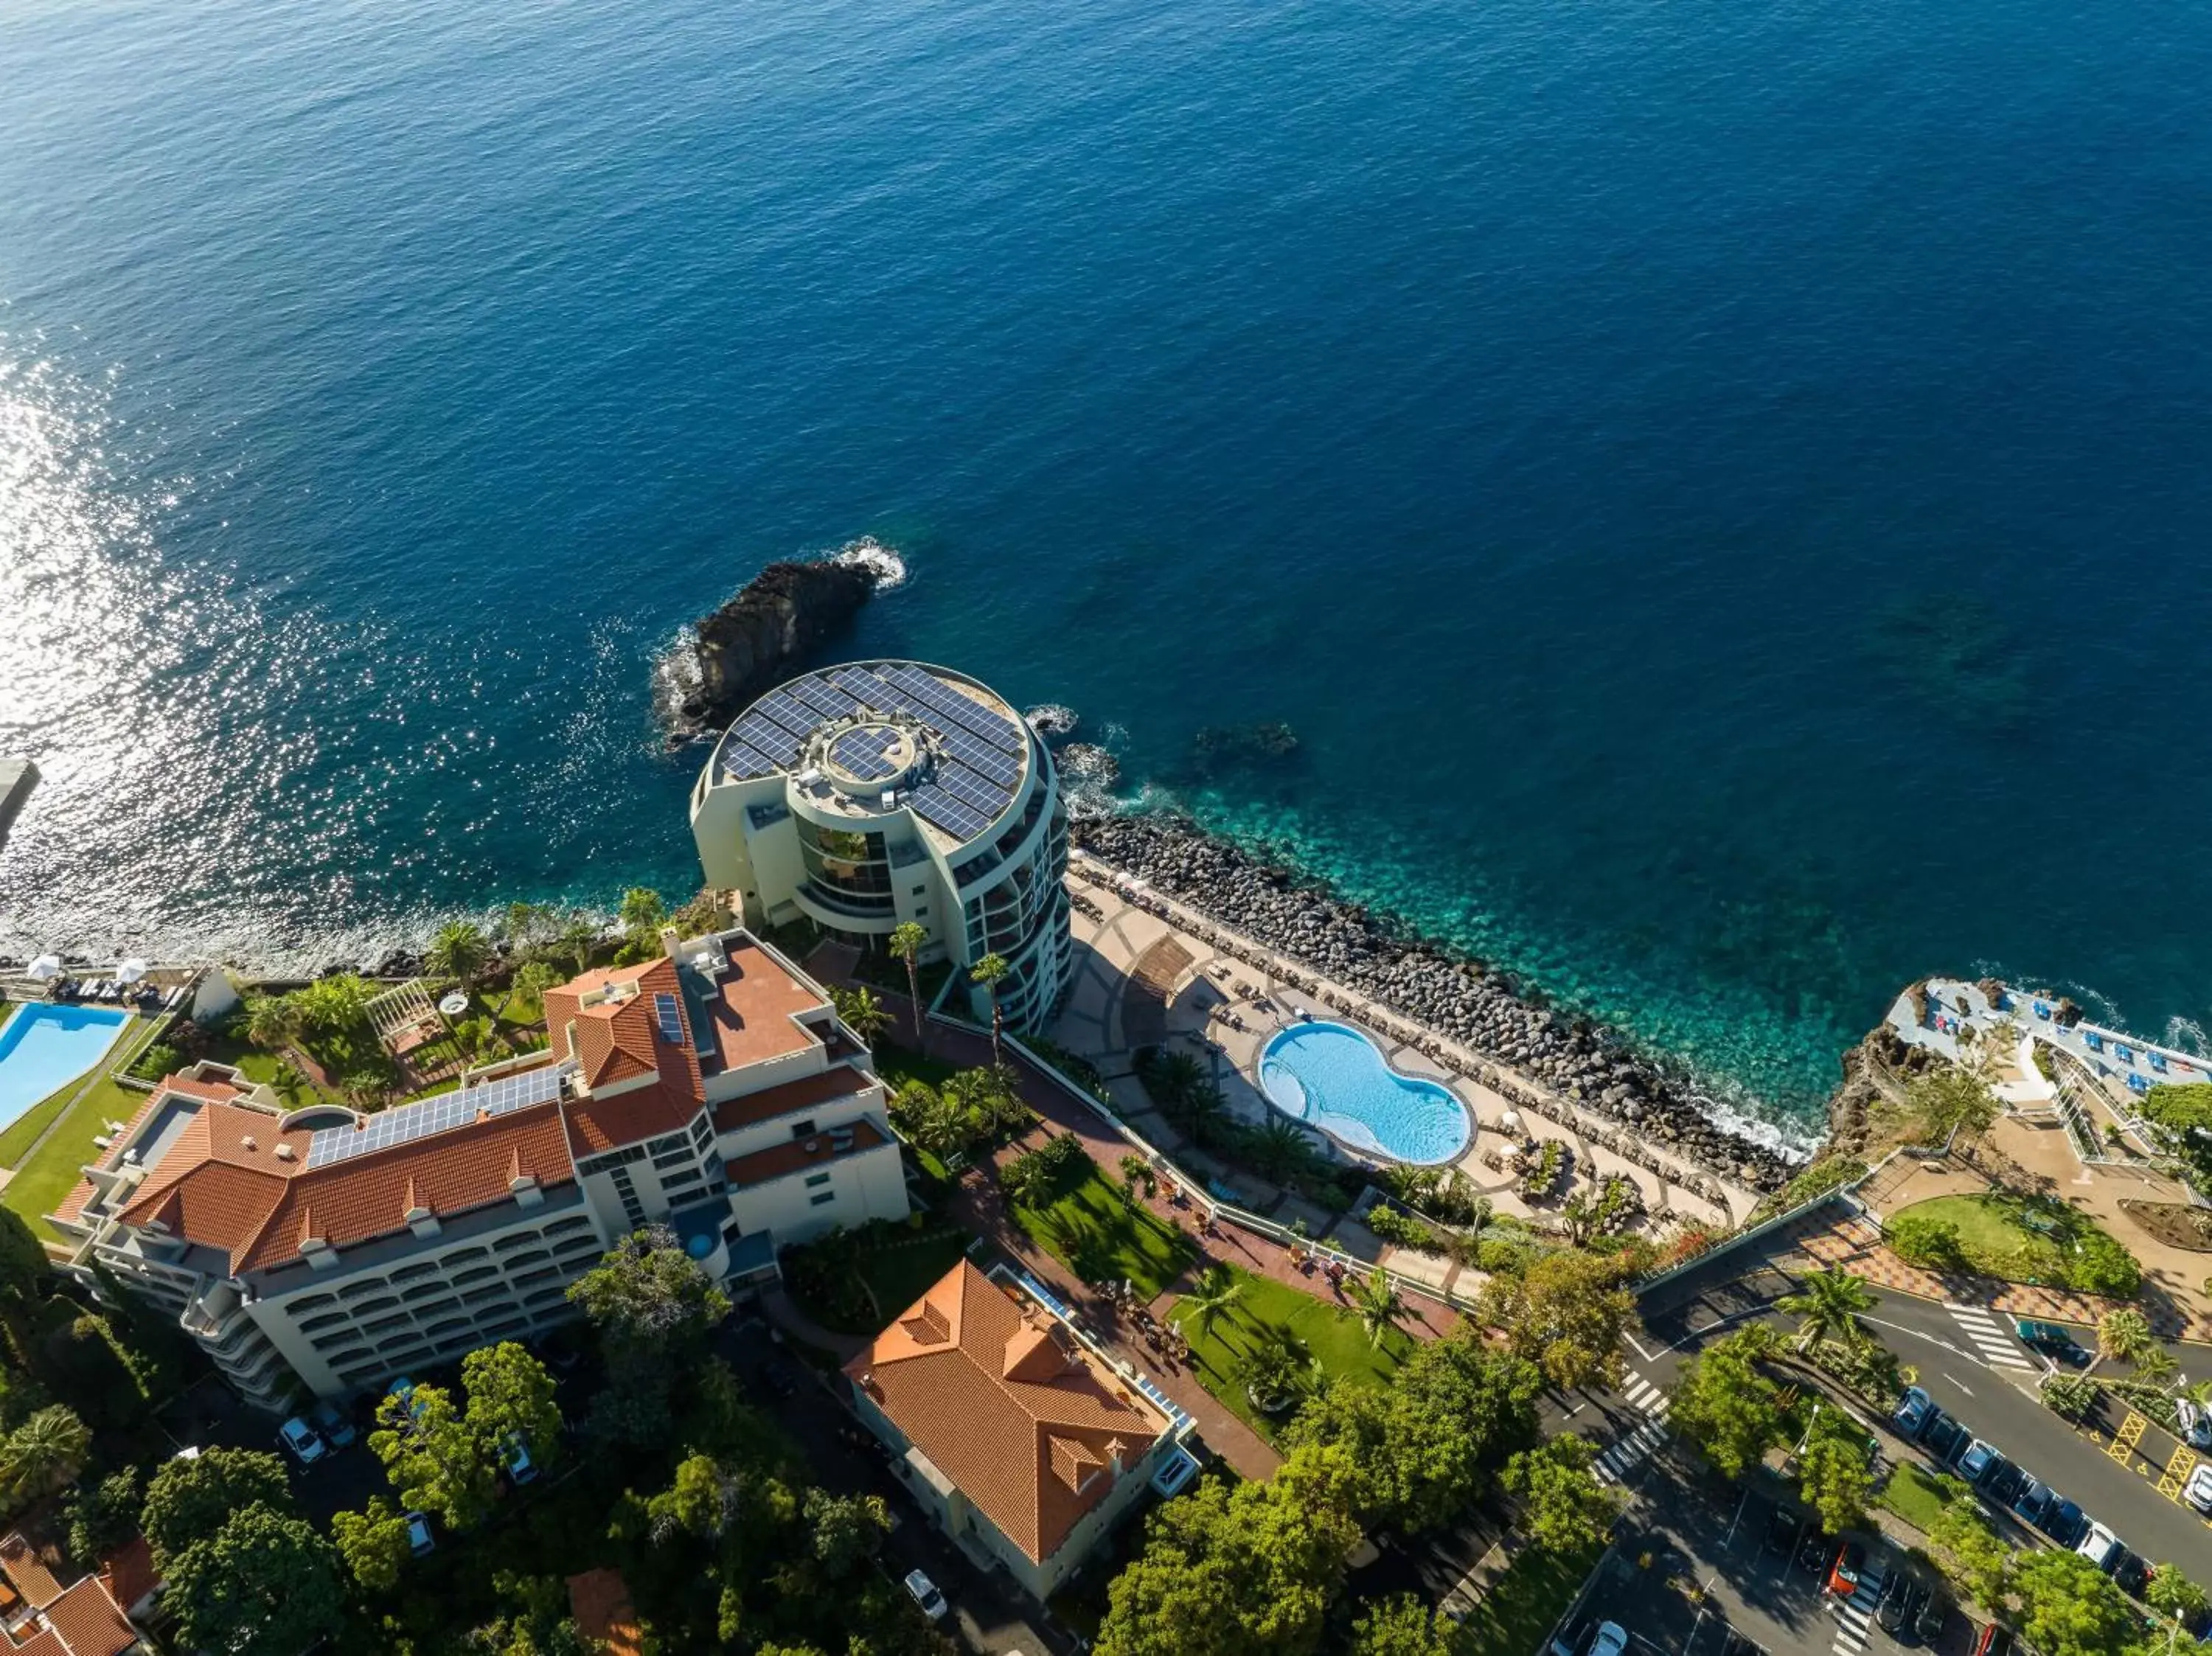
point(1567, 1314)
point(263, 1583)
point(1564, 1508)
point(1948, 1099)
point(449, 1458)
point(190, 1497)
point(1225, 1572)
point(1400, 1625)
point(104, 1516)
point(1424, 1447)
point(1974, 1554)
point(653, 1307)
point(2069, 1607)
point(373, 1544)
point(42, 1455)
point(1725, 1406)
point(1835, 1471)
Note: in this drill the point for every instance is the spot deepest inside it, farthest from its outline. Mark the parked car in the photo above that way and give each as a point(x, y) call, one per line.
point(2005, 1482)
point(1782, 1532)
point(1914, 1411)
point(1994, 1640)
point(1942, 1437)
point(924, 1593)
point(1611, 1639)
point(2132, 1572)
point(2051, 1340)
point(334, 1423)
point(2065, 1522)
point(1898, 1603)
point(2033, 1501)
point(516, 1456)
point(2197, 1492)
point(301, 1442)
point(1929, 1616)
point(1844, 1575)
point(1812, 1556)
point(2195, 1422)
point(418, 1533)
point(2100, 1547)
point(1978, 1461)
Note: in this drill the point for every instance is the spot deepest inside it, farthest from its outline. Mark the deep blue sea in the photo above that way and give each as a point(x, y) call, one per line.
point(1720, 490)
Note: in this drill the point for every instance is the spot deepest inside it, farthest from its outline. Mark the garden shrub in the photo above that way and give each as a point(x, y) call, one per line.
point(2100, 1264)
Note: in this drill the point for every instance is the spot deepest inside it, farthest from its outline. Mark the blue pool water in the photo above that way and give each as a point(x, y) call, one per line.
point(1331, 1076)
point(43, 1048)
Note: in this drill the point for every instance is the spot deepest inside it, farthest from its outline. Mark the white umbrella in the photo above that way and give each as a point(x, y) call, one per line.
point(47, 965)
point(131, 970)
point(1510, 1122)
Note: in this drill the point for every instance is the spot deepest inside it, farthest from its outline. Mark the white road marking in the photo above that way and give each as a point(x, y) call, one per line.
point(1991, 1337)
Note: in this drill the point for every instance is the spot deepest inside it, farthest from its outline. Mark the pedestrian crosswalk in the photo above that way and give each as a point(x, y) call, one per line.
point(1991, 1335)
point(1616, 1462)
point(1854, 1615)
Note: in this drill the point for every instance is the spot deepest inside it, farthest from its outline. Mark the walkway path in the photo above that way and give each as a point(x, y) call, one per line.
point(978, 1205)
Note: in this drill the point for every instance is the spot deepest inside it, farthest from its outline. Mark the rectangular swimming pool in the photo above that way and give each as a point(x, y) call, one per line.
point(44, 1048)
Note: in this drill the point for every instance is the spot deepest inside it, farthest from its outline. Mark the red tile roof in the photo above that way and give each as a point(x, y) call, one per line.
point(1023, 1421)
point(80, 1620)
point(619, 1041)
point(599, 1600)
point(129, 1572)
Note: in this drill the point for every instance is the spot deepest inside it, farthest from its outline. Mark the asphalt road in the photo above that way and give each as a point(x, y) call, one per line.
point(1970, 1362)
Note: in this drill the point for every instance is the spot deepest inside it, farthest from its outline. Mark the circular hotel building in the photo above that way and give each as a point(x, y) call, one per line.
point(865, 796)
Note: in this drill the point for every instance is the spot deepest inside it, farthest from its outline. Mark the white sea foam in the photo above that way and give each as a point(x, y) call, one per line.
point(675, 676)
point(882, 561)
point(1054, 720)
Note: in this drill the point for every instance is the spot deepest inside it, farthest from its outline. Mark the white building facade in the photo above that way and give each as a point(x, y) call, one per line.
point(712, 1090)
point(866, 795)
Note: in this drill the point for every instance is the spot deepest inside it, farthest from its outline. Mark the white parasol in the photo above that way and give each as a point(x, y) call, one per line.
point(47, 965)
point(131, 970)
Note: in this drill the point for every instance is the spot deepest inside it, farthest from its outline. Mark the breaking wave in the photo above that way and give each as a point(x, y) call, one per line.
point(882, 561)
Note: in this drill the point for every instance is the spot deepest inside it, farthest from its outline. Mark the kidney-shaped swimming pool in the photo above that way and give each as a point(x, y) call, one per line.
point(1331, 1076)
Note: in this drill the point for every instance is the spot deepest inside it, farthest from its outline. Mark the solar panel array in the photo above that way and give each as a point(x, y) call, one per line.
point(408, 1122)
point(672, 1022)
point(982, 751)
point(862, 753)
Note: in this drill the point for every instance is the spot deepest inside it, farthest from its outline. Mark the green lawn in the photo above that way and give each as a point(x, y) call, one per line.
point(1521, 1608)
point(45, 1178)
point(2014, 1237)
point(1914, 1495)
point(898, 1064)
point(1332, 1335)
point(1094, 1232)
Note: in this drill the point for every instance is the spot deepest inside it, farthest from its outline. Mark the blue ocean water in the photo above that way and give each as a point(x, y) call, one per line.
point(1719, 490)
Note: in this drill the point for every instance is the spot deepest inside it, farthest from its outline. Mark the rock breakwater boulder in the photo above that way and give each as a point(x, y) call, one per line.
point(1463, 1000)
point(784, 613)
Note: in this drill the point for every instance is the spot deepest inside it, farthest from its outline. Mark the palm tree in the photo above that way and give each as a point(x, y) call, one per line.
point(1177, 1074)
point(1276, 1368)
point(864, 1015)
point(458, 950)
point(907, 941)
point(43, 1454)
point(988, 972)
point(1375, 1301)
point(579, 940)
point(2155, 1365)
point(1213, 1293)
point(272, 1022)
point(532, 980)
point(2124, 1334)
point(1136, 1172)
point(290, 1085)
point(1279, 1147)
point(1829, 1307)
point(1203, 1112)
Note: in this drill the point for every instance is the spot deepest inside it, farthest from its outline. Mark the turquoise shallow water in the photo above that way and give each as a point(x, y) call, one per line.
point(1717, 489)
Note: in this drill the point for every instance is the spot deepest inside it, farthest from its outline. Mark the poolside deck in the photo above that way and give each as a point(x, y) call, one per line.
point(1222, 1006)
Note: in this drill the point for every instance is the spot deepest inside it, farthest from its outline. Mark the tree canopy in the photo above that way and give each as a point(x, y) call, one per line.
point(1400, 1625)
point(1564, 1508)
point(373, 1544)
point(2069, 1607)
point(652, 1306)
point(1725, 1406)
point(188, 1499)
point(1980, 1560)
point(1835, 1473)
point(263, 1583)
point(435, 1461)
point(1238, 1572)
point(1567, 1314)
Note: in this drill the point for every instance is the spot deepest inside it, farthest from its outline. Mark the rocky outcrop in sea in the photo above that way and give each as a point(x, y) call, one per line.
point(786, 612)
point(1473, 1005)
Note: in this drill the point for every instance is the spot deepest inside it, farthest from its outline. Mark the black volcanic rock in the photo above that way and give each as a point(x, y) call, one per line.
point(784, 613)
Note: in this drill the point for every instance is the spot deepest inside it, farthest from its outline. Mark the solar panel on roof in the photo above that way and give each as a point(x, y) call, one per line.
point(934, 803)
point(406, 1122)
point(818, 697)
point(794, 718)
point(671, 1020)
point(862, 753)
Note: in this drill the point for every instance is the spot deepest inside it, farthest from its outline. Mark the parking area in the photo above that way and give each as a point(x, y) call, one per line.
point(1709, 1570)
